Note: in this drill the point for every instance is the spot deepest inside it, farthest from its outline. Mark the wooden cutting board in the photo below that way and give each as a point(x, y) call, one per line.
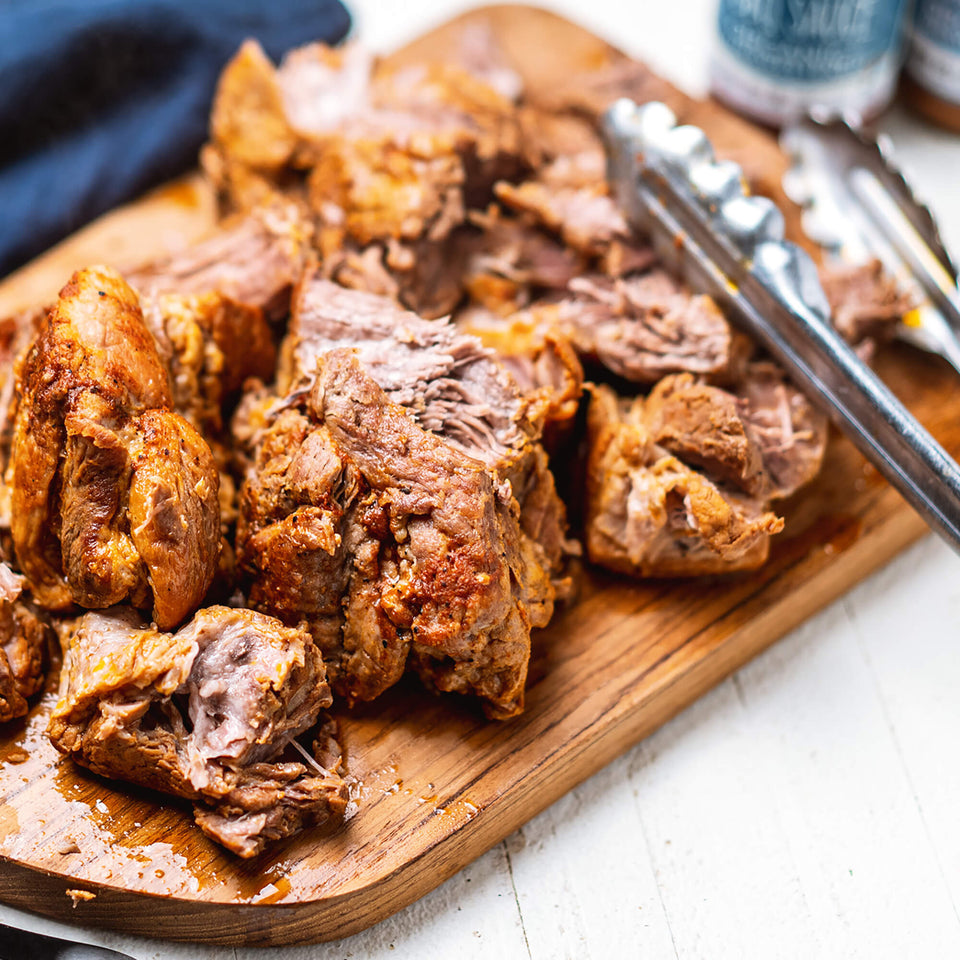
point(436, 784)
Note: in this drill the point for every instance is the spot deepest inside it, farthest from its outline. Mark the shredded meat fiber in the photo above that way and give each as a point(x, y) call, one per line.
point(400, 504)
point(205, 713)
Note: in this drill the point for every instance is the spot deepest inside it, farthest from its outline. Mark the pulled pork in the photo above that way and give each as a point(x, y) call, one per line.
point(205, 713)
point(396, 512)
point(679, 482)
point(647, 513)
point(113, 495)
point(384, 162)
point(399, 503)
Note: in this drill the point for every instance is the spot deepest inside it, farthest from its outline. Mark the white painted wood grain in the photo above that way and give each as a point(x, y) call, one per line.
point(600, 889)
point(704, 798)
point(862, 851)
point(909, 644)
point(807, 808)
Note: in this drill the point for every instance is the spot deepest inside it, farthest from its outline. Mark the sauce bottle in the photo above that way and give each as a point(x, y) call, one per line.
point(931, 77)
point(774, 59)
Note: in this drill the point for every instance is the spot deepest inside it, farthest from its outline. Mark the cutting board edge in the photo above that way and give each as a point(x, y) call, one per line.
point(322, 920)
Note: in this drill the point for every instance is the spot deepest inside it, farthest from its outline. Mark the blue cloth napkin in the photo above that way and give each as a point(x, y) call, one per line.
point(102, 99)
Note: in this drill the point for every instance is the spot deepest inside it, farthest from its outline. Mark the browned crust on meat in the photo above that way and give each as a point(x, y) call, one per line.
point(648, 514)
point(113, 497)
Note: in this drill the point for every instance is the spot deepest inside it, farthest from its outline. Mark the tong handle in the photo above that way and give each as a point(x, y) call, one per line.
point(16, 944)
point(770, 287)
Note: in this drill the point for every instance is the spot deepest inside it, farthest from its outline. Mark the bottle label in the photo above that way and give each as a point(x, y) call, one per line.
point(934, 59)
point(810, 41)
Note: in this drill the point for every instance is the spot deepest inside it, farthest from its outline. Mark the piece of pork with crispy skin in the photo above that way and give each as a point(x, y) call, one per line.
point(393, 184)
point(679, 481)
point(400, 504)
point(24, 636)
point(649, 514)
point(113, 496)
point(205, 713)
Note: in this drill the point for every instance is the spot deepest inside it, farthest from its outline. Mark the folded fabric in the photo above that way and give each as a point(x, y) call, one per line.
point(102, 99)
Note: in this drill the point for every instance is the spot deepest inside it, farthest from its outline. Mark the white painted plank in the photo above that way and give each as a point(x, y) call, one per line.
point(726, 876)
point(867, 869)
point(584, 879)
point(927, 156)
point(911, 645)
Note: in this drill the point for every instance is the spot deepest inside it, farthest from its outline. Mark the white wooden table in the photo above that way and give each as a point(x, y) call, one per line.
point(806, 808)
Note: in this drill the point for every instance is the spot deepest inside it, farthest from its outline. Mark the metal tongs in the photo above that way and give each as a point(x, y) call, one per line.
point(857, 205)
point(731, 246)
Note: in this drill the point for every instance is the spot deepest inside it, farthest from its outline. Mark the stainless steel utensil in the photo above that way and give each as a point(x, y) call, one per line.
point(857, 204)
point(16, 944)
point(730, 245)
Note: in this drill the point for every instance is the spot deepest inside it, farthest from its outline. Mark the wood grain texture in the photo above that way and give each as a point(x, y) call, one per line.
point(437, 785)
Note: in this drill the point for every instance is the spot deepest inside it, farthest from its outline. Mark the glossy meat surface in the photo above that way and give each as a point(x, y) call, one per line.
point(114, 496)
point(205, 713)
